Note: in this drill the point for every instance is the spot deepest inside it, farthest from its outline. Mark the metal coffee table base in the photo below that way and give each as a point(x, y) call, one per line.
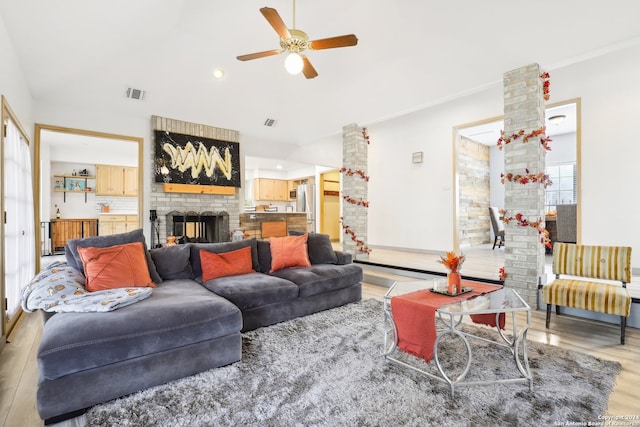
point(451, 323)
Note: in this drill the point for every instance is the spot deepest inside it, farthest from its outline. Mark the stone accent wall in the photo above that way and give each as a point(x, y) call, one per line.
point(474, 200)
point(524, 109)
point(164, 203)
point(354, 157)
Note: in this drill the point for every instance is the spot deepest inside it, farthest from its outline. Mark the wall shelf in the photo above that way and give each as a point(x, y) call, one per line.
point(73, 184)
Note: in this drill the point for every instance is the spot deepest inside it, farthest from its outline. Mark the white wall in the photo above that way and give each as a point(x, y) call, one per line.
point(412, 205)
point(12, 83)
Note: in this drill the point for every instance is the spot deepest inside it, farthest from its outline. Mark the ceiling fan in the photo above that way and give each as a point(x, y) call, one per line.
point(294, 41)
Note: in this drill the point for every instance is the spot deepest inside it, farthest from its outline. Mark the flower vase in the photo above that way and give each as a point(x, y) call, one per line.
point(454, 283)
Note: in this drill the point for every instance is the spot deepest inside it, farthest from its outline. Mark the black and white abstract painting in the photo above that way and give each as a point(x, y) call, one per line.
point(186, 159)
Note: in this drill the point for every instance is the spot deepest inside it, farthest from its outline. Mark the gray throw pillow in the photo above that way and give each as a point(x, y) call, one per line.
point(264, 255)
point(172, 262)
point(319, 248)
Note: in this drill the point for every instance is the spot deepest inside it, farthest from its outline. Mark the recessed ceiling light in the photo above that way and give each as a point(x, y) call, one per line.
point(278, 166)
point(218, 73)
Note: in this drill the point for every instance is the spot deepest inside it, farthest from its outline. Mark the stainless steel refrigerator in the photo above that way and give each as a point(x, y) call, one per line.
point(305, 202)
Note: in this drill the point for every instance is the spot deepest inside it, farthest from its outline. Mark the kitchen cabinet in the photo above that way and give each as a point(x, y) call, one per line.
point(270, 189)
point(292, 185)
point(63, 230)
point(116, 181)
point(115, 224)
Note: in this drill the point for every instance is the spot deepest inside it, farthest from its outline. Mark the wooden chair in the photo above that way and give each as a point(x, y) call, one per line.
point(498, 227)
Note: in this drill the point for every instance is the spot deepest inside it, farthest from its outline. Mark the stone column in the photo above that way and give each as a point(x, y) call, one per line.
point(524, 110)
point(354, 157)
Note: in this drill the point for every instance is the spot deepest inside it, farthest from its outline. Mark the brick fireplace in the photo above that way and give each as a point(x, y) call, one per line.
point(194, 227)
point(191, 208)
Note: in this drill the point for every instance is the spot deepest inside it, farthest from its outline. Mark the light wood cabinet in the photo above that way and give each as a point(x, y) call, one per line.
point(280, 190)
point(130, 186)
point(115, 224)
point(270, 189)
point(63, 230)
point(116, 181)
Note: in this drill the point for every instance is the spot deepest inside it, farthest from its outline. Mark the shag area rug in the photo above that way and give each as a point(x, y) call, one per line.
point(327, 369)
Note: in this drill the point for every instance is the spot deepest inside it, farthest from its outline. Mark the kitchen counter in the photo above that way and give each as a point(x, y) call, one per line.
point(251, 222)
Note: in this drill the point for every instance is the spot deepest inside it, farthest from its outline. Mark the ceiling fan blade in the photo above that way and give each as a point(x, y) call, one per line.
point(307, 69)
point(259, 55)
point(333, 42)
point(276, 22)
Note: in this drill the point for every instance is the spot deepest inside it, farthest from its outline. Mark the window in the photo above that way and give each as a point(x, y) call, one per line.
point(563, 189)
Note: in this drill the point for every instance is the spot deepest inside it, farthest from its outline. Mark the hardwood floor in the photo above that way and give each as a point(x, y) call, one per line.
point(18, 366)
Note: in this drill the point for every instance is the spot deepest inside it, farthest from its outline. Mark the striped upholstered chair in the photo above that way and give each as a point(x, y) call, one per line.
point(584, 263)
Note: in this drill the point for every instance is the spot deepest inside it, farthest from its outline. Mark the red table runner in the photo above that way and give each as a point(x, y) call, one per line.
point(414, 315)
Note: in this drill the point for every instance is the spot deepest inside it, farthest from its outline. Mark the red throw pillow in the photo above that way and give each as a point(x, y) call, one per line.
point(226, 263)
point(290, 251)
point(120, 266)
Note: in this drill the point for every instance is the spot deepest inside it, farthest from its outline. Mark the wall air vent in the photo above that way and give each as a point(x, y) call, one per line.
point(270, 122)
point(135, 94)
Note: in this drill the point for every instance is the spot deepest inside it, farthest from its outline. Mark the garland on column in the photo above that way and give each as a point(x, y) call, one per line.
point(360, 244)
point(352, 172)
point(540, 177)
point(528, 177)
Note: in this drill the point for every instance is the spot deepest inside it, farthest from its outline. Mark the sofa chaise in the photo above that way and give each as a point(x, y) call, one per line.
point(191, 321)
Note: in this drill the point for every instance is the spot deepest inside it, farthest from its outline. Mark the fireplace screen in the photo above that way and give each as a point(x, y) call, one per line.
point(194, 227)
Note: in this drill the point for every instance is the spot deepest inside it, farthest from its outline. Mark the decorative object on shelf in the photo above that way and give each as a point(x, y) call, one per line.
point(104, 207)
point(453, 263)
point(58, 213)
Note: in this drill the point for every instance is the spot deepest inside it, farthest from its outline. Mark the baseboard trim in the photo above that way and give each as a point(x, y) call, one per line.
point(417, 270)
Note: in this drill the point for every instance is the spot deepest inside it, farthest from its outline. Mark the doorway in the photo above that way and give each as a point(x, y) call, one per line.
point(565, 134)
point(18, 258)
point(84, 148)
point(330, 204)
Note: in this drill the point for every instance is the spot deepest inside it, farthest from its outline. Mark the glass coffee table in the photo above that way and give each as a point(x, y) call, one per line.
point(448, 324)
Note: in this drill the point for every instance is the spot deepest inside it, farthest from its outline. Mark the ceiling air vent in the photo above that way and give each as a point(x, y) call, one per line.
point(270, 122)
point(135, 94)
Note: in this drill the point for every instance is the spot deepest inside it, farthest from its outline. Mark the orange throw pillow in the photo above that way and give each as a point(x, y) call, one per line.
point(120, 266)
point(290, 251)
point(226, 263)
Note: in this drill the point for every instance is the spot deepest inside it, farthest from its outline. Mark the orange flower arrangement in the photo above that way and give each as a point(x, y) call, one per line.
point(452, 261)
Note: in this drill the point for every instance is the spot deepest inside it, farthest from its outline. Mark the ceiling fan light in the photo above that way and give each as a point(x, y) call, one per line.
point(293, 63)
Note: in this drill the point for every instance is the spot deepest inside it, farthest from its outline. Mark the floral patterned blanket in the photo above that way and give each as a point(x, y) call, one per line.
point(60, 288)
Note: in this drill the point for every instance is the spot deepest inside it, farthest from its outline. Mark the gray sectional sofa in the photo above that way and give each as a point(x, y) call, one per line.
point(185, 326)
